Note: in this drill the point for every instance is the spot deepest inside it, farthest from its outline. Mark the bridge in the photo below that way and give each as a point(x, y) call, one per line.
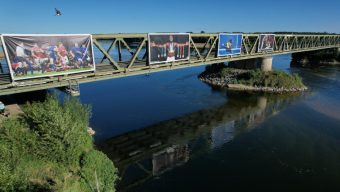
point(122, 55)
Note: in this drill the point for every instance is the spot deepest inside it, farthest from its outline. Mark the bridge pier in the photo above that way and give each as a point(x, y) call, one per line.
point(264, 63)
point(267, 63)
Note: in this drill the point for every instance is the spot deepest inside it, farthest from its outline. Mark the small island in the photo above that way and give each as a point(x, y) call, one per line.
point(221, 75)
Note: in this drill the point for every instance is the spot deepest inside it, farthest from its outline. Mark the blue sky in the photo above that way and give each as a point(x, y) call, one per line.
point(136, 16)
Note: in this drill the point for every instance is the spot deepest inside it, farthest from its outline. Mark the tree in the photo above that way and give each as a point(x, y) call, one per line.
point(61, 129)
point(48, 149)
point(98, 172)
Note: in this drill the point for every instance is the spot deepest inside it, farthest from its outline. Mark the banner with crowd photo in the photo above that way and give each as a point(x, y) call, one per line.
point(33, 56)
point(266, 42)
point(229, 44)
point(168, 47)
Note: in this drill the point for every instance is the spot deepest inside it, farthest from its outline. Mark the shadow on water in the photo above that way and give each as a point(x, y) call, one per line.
point(149, 152)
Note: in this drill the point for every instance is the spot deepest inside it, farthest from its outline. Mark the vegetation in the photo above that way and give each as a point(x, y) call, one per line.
point(48, 149)
point(222, 75)
point(276, 79)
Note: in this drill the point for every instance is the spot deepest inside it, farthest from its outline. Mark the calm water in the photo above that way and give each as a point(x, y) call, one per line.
point(171, 132)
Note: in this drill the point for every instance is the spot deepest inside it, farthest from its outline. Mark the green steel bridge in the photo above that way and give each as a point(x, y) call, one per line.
point(121, 55)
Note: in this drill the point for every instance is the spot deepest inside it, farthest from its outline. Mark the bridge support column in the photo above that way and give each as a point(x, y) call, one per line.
point(267, 63)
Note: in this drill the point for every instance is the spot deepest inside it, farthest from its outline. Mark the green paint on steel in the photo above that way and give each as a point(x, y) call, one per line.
point(284, 44)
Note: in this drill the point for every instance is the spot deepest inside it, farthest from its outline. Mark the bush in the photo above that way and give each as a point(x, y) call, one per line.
point(49, 149)
point(98, 171)
point(61, 129)
point(277, 79)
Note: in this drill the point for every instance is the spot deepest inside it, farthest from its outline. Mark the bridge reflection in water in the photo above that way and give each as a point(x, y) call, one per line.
point(149, 152)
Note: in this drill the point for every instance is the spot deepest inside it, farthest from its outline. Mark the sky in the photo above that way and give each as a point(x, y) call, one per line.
point(136, 16)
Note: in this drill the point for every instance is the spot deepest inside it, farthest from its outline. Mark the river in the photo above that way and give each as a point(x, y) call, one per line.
point(169, 131)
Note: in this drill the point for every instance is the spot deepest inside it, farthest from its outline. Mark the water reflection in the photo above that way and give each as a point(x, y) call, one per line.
point(169, 158)
point(149, 152)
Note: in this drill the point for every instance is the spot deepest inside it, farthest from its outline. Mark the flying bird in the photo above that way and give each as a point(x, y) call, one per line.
point(57, 12)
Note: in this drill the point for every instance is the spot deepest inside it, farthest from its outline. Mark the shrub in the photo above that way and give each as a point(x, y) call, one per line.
point(277, 79)
point(98, 171)
point(61, 129)
point(49, 149)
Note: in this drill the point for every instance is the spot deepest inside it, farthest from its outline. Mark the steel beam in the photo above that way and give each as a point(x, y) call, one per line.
point(106, 54)
point(136, 53)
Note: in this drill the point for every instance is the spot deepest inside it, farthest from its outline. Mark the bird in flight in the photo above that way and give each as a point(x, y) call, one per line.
point(57, 12)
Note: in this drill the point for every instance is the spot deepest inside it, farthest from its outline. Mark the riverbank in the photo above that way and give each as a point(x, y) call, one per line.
point(251, 80)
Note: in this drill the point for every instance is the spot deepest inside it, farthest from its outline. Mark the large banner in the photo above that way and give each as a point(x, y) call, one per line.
point(168, 47)
point(229, 44)
point(266, 42)
point(32, 56)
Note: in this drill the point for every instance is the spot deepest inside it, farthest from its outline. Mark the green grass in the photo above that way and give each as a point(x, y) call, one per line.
point(277, 79)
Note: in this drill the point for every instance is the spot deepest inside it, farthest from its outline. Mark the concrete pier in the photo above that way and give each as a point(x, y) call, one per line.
point(264, 63)
point(267, 63)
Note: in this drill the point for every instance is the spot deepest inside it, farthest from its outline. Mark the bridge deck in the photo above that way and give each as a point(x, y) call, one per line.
point(203, 52)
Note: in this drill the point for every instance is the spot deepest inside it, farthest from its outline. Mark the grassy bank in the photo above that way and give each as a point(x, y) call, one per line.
point(48, 148)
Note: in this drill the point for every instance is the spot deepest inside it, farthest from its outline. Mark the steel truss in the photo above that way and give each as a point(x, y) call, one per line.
point(123, 55)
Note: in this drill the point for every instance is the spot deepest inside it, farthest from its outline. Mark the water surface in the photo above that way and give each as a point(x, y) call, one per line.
point(170, 132)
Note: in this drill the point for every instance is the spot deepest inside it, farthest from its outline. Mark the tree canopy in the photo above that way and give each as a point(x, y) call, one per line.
point(48, 149)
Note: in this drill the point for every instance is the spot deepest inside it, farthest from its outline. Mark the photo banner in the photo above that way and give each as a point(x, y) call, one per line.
point(34, 56)
point(229, 44)
point(168, 47)
point(266, 42)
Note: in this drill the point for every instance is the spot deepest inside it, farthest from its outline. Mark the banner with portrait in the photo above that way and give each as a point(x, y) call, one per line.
point(168, 47)
point(33, 56)
point(266, 42)
point(229, 44)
